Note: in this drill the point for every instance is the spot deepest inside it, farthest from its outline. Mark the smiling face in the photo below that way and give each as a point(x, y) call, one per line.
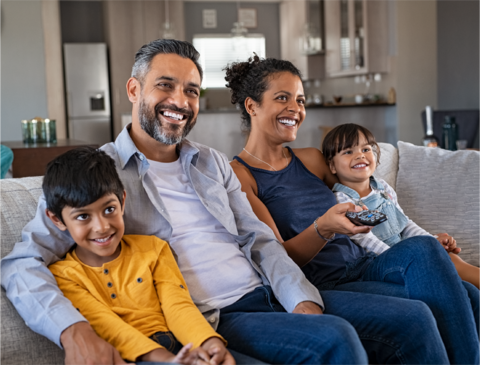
point(168, 100)
point(282, 109)
point(355, 164)
point(96, 228)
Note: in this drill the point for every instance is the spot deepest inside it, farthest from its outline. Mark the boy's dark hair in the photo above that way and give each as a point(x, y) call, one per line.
point(250, 79)
point(78, 178)
point(147, 52)
point(346, 136)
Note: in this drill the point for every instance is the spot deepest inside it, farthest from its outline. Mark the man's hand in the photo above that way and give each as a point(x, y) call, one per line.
point(448, 242)
point(335, 221)
point(83, 346)
point(218, 352)
point(307, 308)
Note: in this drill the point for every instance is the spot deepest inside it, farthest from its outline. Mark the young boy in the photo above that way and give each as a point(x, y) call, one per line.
point(129, 288)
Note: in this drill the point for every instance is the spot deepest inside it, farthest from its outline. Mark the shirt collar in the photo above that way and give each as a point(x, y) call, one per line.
point(126, 148)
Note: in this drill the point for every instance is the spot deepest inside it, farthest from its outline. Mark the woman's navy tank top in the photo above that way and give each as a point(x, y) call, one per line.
point(295, 198)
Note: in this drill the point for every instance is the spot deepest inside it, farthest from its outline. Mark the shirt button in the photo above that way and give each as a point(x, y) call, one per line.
point(141, 157)
point(113, 296)
point(105, 271)
point(109, 285)
point(212, 320)
point(181, 286)
point(139, 280)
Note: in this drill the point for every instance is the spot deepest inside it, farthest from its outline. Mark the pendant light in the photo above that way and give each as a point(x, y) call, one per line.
point(238, 30)
point(168, 30)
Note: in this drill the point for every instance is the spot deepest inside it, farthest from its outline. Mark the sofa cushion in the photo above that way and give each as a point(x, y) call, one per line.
point(20, 345)
point(439, 190)
point(388, 166)
point(19, 198)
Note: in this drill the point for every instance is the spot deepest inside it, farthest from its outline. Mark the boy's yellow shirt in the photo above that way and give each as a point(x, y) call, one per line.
point(139, 293)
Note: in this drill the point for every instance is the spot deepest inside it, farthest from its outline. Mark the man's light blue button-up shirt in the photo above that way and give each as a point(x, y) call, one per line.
point(33, 289)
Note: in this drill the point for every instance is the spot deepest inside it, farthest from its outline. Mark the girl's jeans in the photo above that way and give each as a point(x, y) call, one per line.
point(419, 268)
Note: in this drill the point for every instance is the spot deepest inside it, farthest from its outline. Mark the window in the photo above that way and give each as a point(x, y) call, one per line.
point(218, 50)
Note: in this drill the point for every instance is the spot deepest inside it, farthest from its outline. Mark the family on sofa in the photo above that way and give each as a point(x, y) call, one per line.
point(281, 283)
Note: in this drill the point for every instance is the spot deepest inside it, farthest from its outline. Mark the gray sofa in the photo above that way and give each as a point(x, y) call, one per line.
point(438, 189)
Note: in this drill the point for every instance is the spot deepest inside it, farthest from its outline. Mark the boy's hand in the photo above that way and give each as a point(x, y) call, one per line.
point(218, 352)
point(197, 356)
point(184, 356)
point(83, 346)
point(448, 242)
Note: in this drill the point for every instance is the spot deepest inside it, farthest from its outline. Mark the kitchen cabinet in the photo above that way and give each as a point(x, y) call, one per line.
point(356, 34)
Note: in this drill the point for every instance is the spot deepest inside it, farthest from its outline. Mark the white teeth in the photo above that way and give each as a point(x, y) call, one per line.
point(359, 165)
point(102, 240)
point(173, 115)
point(288, 122)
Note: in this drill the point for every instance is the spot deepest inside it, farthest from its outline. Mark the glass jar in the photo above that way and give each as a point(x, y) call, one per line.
point(33, 128)
point(50, 131)
point(26, 131)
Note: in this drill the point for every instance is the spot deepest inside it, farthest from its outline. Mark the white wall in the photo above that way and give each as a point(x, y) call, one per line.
point(23, 89)
point(416, 65)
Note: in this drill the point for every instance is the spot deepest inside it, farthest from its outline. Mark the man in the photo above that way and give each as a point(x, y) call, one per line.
point(223, 251)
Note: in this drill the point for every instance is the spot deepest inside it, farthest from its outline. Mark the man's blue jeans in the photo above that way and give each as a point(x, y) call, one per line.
point(419, 268)
point(258, 326)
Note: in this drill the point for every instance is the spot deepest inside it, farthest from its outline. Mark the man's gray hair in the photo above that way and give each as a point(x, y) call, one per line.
point(147, 52)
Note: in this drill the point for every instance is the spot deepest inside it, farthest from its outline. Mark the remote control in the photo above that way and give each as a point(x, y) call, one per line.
point(366, 217)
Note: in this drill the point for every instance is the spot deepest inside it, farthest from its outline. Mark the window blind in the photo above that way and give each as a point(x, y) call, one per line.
point(219, 50)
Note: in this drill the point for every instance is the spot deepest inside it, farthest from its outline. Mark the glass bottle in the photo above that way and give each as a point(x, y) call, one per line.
point(450, 133)
point(429, 140)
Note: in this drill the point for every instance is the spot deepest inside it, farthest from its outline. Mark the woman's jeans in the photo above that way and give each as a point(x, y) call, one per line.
point(419, 268)
point(390, 330)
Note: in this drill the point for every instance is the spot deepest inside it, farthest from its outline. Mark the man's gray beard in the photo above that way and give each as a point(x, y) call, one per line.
point(153, 126)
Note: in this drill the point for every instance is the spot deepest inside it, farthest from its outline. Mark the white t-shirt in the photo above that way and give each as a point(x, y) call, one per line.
point(216, 271)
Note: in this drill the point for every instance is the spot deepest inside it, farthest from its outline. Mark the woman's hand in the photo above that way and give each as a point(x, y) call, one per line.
point(335, 221)
point(448, 242)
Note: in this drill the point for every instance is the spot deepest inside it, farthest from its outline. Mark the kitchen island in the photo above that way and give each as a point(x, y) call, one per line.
point(221, 129)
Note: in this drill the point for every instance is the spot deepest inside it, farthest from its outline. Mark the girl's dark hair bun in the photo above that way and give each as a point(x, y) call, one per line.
point(250, 79)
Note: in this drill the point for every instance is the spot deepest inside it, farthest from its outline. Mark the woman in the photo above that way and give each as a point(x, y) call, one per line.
point(289, 191)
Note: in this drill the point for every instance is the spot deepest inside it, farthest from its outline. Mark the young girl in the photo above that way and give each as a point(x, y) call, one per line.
point(353, 154)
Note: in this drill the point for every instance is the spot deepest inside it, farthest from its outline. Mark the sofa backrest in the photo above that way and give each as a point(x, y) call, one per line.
point(20, 345)
point(388, 167)
point(19, 198)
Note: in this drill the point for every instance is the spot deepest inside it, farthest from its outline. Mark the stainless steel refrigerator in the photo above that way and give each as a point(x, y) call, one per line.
point(88, 95)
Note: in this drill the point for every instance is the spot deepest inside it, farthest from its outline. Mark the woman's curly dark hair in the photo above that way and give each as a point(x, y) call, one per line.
point(250, 79)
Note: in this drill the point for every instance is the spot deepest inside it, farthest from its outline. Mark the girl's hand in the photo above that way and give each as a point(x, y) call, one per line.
point(335, 221)
point(448, 242)
point(217, 351)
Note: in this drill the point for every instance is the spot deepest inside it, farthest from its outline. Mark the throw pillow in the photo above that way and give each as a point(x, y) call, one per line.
point(439, 190)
